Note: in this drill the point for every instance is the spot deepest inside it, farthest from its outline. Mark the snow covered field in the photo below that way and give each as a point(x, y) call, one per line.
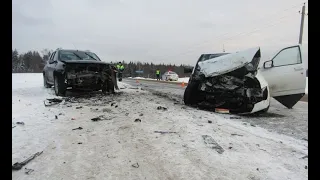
point(119, 148)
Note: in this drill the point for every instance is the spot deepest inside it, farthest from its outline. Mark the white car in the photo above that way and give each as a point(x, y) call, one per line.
point(236, 82)
point(170, 76)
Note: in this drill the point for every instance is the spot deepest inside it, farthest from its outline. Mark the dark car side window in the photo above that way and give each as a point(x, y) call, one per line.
point(55, 58)
point(51, 57)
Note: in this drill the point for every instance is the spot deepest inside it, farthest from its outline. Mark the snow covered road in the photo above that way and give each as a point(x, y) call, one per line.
point(119, 148)
point(291, 122)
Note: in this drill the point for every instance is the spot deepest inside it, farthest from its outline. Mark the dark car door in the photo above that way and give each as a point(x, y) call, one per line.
point(51, 66)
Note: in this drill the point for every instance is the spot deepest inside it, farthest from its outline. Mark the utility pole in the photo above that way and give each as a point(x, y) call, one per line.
point(302, 22)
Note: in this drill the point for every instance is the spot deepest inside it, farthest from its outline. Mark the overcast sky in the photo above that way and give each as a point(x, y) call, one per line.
point(166, 31)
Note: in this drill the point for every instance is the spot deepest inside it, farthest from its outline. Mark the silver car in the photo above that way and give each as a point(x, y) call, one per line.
point(170, 76)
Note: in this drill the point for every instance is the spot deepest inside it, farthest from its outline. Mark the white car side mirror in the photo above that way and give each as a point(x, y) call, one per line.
point(268, 64)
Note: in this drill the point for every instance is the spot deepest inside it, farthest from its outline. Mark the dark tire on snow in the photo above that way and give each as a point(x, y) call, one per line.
point(59, 86)
point(104, 88)
point(110, 87)
point(190, 94)
point(45, 83)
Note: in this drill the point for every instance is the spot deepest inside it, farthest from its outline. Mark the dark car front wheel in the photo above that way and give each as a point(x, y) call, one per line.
point(191, 94)
point(45, 83)
point(59, 86)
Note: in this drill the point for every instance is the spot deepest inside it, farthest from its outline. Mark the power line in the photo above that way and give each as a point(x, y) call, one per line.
point(239, 34)
point(219, 37)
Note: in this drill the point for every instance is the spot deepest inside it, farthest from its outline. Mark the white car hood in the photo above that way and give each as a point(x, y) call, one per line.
point(227, 63)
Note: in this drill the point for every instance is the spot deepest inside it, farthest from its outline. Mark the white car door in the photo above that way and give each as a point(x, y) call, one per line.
point(285, 75)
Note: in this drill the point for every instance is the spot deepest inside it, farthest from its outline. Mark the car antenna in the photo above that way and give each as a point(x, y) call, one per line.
point(223, 48)
point(75, 47)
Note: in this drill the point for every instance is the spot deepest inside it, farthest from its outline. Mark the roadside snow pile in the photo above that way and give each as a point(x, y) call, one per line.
point(185, 79)
point(143, 135)
point(139, 78)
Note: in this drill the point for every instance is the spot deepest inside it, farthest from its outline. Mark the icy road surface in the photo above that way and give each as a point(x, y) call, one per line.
point(291, 122)
point(119, 148)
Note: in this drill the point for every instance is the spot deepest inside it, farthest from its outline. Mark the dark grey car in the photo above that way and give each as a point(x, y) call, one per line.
point(79, 70)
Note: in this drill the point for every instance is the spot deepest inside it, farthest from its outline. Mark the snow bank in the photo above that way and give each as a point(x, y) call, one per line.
point(185, 79)
point(139, 78)
point(26, 80)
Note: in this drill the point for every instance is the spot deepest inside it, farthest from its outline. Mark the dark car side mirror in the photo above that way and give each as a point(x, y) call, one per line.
point(187, 69)
point(268, 64)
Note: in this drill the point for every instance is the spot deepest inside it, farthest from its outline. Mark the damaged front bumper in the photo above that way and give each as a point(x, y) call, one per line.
point(229, 81)
point(86, 78)
point(239, 95)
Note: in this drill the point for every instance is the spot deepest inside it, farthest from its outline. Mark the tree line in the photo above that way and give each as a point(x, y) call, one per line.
point(34, 61)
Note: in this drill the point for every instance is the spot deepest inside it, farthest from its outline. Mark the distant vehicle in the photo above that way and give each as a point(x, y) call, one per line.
point(236, 82)
point(170, 76)
point(79, 70)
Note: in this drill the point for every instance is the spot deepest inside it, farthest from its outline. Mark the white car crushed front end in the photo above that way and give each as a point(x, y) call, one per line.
point(236, 82)
point(229, 81)
point(263, 105)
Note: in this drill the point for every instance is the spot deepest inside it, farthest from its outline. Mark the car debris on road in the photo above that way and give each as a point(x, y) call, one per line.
point(210, 142)
point(137, 120)
point(28, 171)
point(19, 165)
point(79, 128)
point(162, 108)
point(52, 101)
point(136, 165)
point(101, 118)
point(164, 132)
point(21, 123)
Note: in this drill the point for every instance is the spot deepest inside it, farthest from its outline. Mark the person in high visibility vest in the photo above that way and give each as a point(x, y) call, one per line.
point(158, 74)
point(120, 68)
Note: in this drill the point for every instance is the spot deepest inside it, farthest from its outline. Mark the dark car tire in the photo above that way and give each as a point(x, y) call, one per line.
point(45, 83)
point(104, 89)
point(59, 86)
point(190, 94)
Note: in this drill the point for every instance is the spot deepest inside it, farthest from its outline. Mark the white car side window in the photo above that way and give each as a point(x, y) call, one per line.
point(287, 57)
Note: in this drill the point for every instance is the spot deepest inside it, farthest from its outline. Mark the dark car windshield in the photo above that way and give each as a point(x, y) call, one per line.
point(77, 55)
point(205, 57)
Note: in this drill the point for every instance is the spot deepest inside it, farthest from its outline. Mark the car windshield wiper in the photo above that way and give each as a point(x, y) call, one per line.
point(77, 55)
point(90, 56)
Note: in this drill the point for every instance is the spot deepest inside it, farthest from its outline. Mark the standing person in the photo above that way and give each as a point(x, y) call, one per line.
point(158, 74)
point(120, 68)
